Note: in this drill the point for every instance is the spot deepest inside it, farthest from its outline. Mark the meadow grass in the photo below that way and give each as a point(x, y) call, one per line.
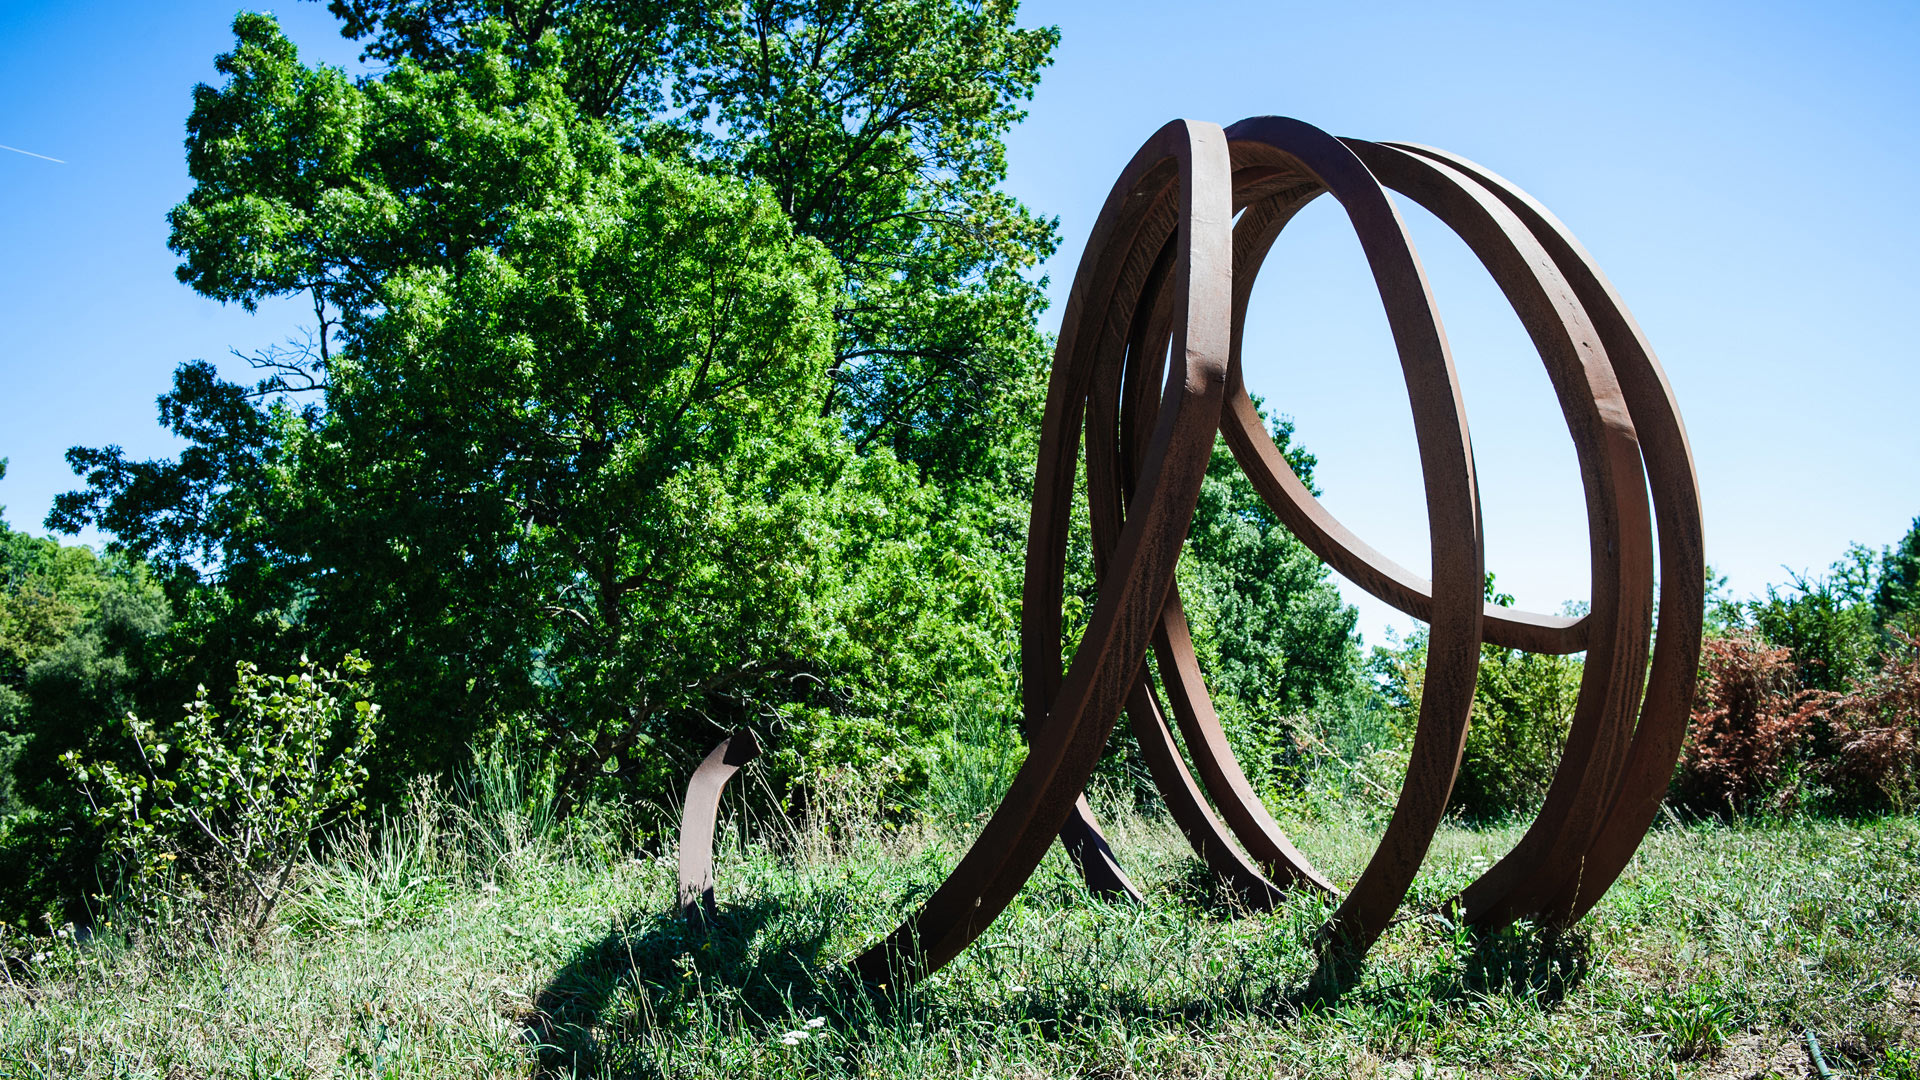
point(450, 944)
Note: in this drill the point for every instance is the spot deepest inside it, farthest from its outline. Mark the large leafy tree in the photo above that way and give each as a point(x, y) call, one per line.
point(564, 467)
point(673, 369)
point(878, 127)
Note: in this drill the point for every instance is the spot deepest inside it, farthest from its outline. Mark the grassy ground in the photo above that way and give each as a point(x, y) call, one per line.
point(1713, 956)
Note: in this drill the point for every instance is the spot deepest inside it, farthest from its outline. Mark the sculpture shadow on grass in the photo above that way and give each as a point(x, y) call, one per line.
point(759, 966)
point(659, 974)
point(1541, 965)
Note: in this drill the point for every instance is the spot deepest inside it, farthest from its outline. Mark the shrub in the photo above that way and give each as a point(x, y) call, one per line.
point(212, 824)
point(1826, 622)
point(1750, 718)
point(1522, 709)
point(1876, 731)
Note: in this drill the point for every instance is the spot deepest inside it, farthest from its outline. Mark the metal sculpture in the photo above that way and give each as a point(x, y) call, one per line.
point(1148, 368)
point(698, 816)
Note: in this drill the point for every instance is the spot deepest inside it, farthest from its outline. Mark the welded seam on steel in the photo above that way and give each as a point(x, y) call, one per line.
point(1162, 291)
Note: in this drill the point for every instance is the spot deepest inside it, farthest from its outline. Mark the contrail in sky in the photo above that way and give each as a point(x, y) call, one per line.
point(30, 153)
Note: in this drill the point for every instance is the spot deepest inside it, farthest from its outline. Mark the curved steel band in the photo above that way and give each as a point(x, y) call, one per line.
point(1148, 367)
point(698, 815)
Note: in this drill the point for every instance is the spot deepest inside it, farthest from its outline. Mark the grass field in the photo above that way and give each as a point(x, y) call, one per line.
point(549, 955)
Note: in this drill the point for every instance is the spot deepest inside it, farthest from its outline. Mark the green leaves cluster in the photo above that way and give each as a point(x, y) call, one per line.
point(674, 369)
point(569, 466)
point(80, 639)
point(877, 127)
point(1842, 623)
point(212, 820)
point(1522, 709)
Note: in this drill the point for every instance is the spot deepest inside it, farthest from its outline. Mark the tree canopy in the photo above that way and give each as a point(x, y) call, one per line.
point(673, 369)
point(566, 467)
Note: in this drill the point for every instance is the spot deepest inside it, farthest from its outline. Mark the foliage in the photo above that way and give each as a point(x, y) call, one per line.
point(612, 441)
point(75, 634)
point(82, 641)
point(1876, 732)
point(1826, 622)
point(1896, 596)
point(1522, 709)
point(567, 474)
point(217, 814)
point(1750, 721)
point(1274, 637)
point(1849, 642)
point(1839, 625)
point(877, 127)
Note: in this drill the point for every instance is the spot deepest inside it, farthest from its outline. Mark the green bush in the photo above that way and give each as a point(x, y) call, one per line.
point(1522, 707)
point(211, 822)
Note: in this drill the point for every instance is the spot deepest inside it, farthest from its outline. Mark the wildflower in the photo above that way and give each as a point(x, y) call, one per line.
point(817, 1022)
point(1016, 989)
point(795, 1037)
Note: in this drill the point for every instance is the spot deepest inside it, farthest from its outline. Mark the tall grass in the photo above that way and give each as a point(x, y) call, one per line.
point(471, 933)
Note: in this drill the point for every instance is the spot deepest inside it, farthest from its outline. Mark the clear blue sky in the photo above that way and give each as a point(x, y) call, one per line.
point(1744, 173)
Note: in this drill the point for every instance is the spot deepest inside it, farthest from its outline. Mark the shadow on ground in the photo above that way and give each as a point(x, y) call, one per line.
point(1542, 965)
point(758, 968)
point(659, 975)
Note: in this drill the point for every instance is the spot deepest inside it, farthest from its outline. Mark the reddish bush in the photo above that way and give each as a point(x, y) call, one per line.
point(1750, 718)
point(1876, 730)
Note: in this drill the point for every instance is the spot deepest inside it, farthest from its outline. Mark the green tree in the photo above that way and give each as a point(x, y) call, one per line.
point(1896, 596)
point(878, 128)
point(1277, 642)
point(77, 639)
point(563, 466)
point(81, 638)
point(1827, 621)
point(673, 370)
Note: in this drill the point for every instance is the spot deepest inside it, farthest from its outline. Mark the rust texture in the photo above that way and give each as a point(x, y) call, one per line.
point(1147, 372)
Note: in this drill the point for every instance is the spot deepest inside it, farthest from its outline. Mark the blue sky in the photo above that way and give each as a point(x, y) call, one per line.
point(1744, 173)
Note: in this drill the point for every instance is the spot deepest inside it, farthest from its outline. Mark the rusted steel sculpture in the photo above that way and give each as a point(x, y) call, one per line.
point(1148, 369)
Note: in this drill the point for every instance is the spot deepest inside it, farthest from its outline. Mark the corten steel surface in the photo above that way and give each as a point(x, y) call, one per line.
point(1147, 368)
